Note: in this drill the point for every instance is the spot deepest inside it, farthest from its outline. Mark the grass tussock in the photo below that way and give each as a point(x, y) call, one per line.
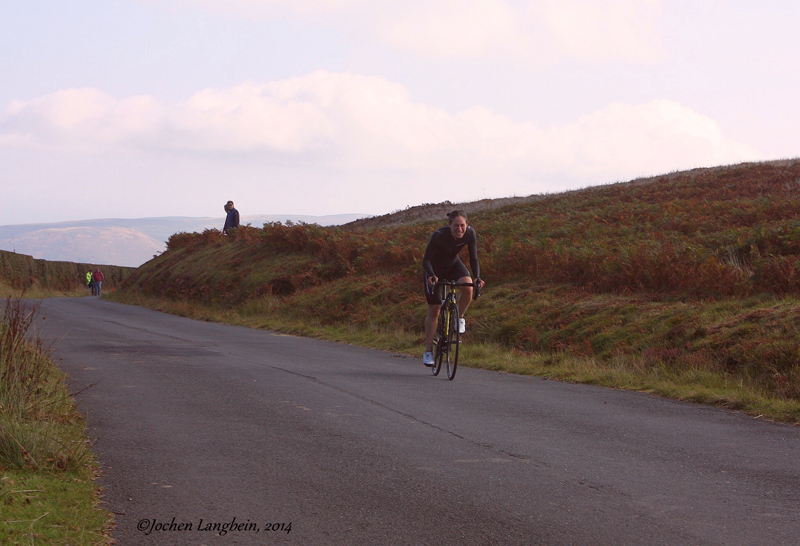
point(687, 285)
point(47, 495)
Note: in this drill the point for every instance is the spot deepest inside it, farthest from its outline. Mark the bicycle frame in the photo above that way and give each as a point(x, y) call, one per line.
point(448, 337)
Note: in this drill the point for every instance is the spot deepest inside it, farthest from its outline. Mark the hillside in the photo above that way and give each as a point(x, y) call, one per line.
point(428, 212)
point(433, 211)
point(690, 277)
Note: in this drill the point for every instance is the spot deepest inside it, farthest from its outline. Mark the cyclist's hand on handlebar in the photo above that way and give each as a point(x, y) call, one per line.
point(433, 280)
point(478, 285)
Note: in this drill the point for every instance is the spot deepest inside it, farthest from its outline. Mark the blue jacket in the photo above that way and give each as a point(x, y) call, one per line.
point(232, 220)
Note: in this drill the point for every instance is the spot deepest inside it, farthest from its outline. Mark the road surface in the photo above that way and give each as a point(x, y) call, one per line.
point(219, 435)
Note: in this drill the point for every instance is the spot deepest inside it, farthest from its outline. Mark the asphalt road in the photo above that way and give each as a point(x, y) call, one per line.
point(200, 425)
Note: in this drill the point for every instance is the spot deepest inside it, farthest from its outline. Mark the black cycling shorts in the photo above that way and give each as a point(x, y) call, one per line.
point(456, 272)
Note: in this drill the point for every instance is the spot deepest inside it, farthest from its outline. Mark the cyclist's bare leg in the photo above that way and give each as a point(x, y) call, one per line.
point(431, 321)
point(465, 297)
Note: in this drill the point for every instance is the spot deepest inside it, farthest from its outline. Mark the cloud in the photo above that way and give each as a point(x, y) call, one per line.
point(540, 31)
point(266, 6)
point(629, 140)
point(601, 29)
point(80, 119)
point(248, 118)
point(456, 28)
point(357, 123)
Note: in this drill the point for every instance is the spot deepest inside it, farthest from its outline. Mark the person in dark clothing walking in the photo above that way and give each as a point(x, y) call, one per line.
point(232, 219)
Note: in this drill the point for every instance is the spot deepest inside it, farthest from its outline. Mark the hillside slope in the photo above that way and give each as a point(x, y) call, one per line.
point(429, 212)
point(688, 273)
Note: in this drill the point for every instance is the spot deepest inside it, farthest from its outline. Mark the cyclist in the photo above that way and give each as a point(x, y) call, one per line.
point(441, 261)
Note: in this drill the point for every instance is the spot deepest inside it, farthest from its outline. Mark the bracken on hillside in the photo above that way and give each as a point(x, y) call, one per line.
point(671, 268)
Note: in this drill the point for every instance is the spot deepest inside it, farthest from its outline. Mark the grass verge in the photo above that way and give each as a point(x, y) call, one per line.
point(47, 489)
point(641, 370)
point(38, 292)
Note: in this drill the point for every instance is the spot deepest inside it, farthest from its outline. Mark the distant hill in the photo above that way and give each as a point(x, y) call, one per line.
point(98, 245)
point(125, 242)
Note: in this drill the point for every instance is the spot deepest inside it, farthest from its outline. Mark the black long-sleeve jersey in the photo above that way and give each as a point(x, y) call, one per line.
point(442, 251)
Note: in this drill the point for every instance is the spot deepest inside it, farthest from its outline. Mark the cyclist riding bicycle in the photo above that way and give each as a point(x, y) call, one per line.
point(441, 261)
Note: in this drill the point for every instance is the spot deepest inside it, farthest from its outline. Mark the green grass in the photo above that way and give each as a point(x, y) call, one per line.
point(58, 509)
point(47, 492)
point(37, 292)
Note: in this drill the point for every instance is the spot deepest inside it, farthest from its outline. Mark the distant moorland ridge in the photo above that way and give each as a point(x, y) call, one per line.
point(124, 241)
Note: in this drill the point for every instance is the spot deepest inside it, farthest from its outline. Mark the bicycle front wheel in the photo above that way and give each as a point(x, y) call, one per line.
point(453, 343)
point(438, 355)
point(439, 344)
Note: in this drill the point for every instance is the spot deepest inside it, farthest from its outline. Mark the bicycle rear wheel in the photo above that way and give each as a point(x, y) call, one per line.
point(453, 343)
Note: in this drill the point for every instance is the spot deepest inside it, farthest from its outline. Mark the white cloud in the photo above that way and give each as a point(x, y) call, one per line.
point(81, 119)
point(247, 118)
point(308, 10)
point(300, 6)
point(601, 29)
point(356, 123)
point(541, 31)
point(456, 28)
point(653, 138)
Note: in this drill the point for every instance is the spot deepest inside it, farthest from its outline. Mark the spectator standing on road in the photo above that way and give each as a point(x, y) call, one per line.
point(97, 278)
point(232, 219)
point(89, 284)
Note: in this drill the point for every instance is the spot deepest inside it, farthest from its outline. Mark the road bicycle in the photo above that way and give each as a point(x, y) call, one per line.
point(447, 339)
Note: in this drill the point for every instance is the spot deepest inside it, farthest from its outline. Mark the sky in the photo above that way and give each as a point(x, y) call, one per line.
point(142, 108)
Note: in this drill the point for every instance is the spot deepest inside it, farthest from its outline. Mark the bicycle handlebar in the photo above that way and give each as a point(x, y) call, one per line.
point(475, 285)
